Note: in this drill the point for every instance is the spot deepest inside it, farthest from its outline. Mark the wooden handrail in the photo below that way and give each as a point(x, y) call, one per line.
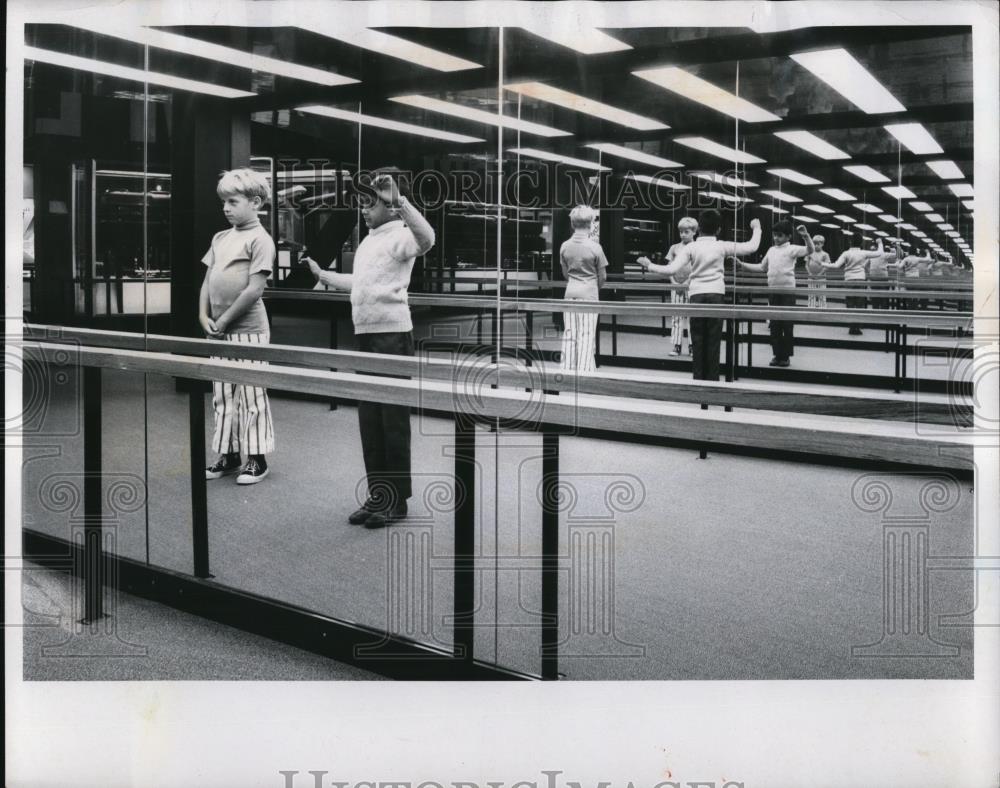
point(800, 398)
point(832, 436)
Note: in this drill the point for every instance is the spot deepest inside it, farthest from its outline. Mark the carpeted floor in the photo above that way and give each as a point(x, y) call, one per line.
point(672, 568)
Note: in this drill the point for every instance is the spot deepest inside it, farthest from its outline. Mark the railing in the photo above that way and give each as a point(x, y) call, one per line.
point(785, 422)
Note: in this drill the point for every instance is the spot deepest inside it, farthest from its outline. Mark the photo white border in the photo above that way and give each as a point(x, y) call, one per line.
point(818, 733)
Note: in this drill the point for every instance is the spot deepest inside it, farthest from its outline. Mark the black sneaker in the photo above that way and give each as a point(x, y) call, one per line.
point(254, 471)
point(774, 362)
point(783, 362)
point(386, 517)
point(358, 516)
point(225, 465)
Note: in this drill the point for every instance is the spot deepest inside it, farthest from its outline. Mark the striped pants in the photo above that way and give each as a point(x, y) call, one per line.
point(579, 340)
point(816, 301)
point(678, 323)
point(242, 413)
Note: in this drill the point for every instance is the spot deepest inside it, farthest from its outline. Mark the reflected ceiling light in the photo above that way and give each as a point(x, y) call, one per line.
point(960, 189)
point(919, 234)
point(890, 219)
point(839, 194)
point(393, 46)
point(548, 156)
point(385, 123)
point(478, 115)
point(953, 234)
point(634, 155)
point(679, 81)
point(715, 149)
point(838, 69)
point(868, 207)
point(946, 170)
point(810, 143)
point(586, 41)
point(845, 219)
point(728, 180)
point(134, 74)
point(864, 227)
point(908, 226)
point(881, 234)
point(945, 226)
point(899, 192)
point(667, 184)
point(968, 204)
point(726, 197)
point(921, 206)
point(866, 173)
point(831, 226)
point(934, 217)
point(816, 208)
point(588, 106)
point(796, 177)
point(780, 196)
point(803, 218)
point(846, 232)
point(234, 57)
point(775, 209)
point(914, 138)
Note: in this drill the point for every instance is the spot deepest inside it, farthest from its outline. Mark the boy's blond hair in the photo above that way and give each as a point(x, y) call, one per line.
point(819, 238)
point(581, 217)
point(688, 223)
point(244, 181)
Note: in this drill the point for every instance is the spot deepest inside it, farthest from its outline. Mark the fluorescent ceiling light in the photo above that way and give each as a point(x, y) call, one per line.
point(816, 208)
point(729, 180)
point(715, 149)
point(667, 184)
point(385, 123)
point(775, 209)
point(921, 206)
point(726, 197)
point(133, 74)
point(961, 189)
point(881, 234)
point(392, 46)
point(907, 226)
point(914, 137)
point(968, 204)
point(634, 155)
point(845, 219)
point(864, 227)
point(810, 143)
point(688, 85)
point(946, 170)
point(831, 226)
point(588, 106)
point(846, 232)
point(796, 177)
point(234, 57)
point(548, 156)
point(890, 219)
point(899, 192)
point(919, 234)
point(586, 41)
point(804, 218)
point(838, 69)
point(866, 173)
point(839, 194)
point(945, 226)
point(867, 207)
point(780, 196)
point(478, 115)
point(935, 217)
point(953, 234)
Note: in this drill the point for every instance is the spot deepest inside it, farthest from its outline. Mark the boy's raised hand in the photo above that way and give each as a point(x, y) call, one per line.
point(755, 224)
point(387, 191)
point(801, 230)
point(645, 262)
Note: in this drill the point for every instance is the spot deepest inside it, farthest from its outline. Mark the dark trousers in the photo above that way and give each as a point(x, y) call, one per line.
point(782, 339)
point(385, 429)
point(856, 302)
point(879, 284)
point(706, 339)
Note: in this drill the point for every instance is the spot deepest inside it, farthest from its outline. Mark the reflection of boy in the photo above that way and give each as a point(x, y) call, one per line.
point(398, 233)
point(239, 262)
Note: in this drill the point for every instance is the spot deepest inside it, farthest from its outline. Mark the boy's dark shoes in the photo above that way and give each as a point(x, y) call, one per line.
point(358, 516)
point(386, 517)
point(254, 471)
point(225, 465)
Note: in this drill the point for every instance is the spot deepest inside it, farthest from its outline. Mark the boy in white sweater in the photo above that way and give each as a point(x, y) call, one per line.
point(381, 314)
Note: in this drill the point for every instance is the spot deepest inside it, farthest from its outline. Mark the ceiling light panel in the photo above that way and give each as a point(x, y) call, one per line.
point(634, 155)
point(915, 138)
point(839, 194)
point(866, 173)
point(728, 180)
point(586, 40)
point(839, 69)
point(946, 170)
point(795, 177)
point(817, 208)
point(548, 156)
point(386, 123)
point(899, 192)
point(394, 46)
point(662, 182)
point(679, 81)
point(921, 206)
point(780, 196)
point(715, 149)
point(810, 143)
point(478, 115)
point(588, 106)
